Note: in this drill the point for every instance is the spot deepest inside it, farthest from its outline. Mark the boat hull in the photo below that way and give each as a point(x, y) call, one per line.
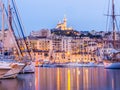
point(10, 71)
point(110, 65)
point(4, 70)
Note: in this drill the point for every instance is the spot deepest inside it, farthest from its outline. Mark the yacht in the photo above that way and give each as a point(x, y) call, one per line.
point(112, 59)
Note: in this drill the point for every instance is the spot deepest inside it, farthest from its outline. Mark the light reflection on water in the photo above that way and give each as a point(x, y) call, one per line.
point(77, 79)
point(65, 79)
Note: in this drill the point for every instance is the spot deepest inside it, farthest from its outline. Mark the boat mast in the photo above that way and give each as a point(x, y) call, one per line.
point(25, 39)
point(113, 23)
point(3, 18)
point(11, 30)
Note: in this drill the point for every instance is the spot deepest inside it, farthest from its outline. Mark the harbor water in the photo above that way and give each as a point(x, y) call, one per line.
point(78, 78)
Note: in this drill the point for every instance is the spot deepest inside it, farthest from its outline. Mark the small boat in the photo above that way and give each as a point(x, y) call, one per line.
point(10, 70)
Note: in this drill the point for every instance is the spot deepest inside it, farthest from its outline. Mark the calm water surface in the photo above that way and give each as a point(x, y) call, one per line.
point(65, 79)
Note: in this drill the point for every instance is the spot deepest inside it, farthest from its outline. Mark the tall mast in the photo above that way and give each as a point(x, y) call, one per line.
point(113, 23)
point(27, 47)
point(11, 29)
point(3, 28)
point(9, 14)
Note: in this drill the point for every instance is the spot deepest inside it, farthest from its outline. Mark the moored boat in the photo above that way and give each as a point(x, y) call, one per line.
point(113, 62)
point(112, 65)
point(112, 59)
point(10, 71)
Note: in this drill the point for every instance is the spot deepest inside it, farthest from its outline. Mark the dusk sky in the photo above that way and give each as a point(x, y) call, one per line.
point(81, 14)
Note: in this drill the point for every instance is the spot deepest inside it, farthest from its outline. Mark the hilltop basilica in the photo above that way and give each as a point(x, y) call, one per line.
point(63, 25)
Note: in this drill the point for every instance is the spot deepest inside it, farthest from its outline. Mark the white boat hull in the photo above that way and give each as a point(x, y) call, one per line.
point(110, 65)
point(4, 70)
point(10, 71)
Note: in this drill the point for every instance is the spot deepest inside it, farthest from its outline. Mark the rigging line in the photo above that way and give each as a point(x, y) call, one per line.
point(11, 29)
point(107, 16)
point(116, 24)
point(12, 33)
point(17, 16)
point(31, 50)
point(16, 28)
point(13, 36)
point(23, 28)
point(17, 31)
point(118, 32)
point(19, 21)
point(13, 22)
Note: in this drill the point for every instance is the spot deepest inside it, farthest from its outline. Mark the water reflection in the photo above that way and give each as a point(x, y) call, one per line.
point(65, 79)
point(23, 82)
point(77, 79)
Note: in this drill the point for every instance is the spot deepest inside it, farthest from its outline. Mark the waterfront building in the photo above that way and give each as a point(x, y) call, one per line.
point(55, 46)
point(41, 46)
point(62, 44)
point(41, 33)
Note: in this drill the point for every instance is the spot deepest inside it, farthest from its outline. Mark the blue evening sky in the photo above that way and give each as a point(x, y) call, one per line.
point(81, 14)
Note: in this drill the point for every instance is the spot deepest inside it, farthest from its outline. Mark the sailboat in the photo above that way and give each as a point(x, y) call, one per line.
point(112, 59)
point(7, 69)
point(30, 67)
